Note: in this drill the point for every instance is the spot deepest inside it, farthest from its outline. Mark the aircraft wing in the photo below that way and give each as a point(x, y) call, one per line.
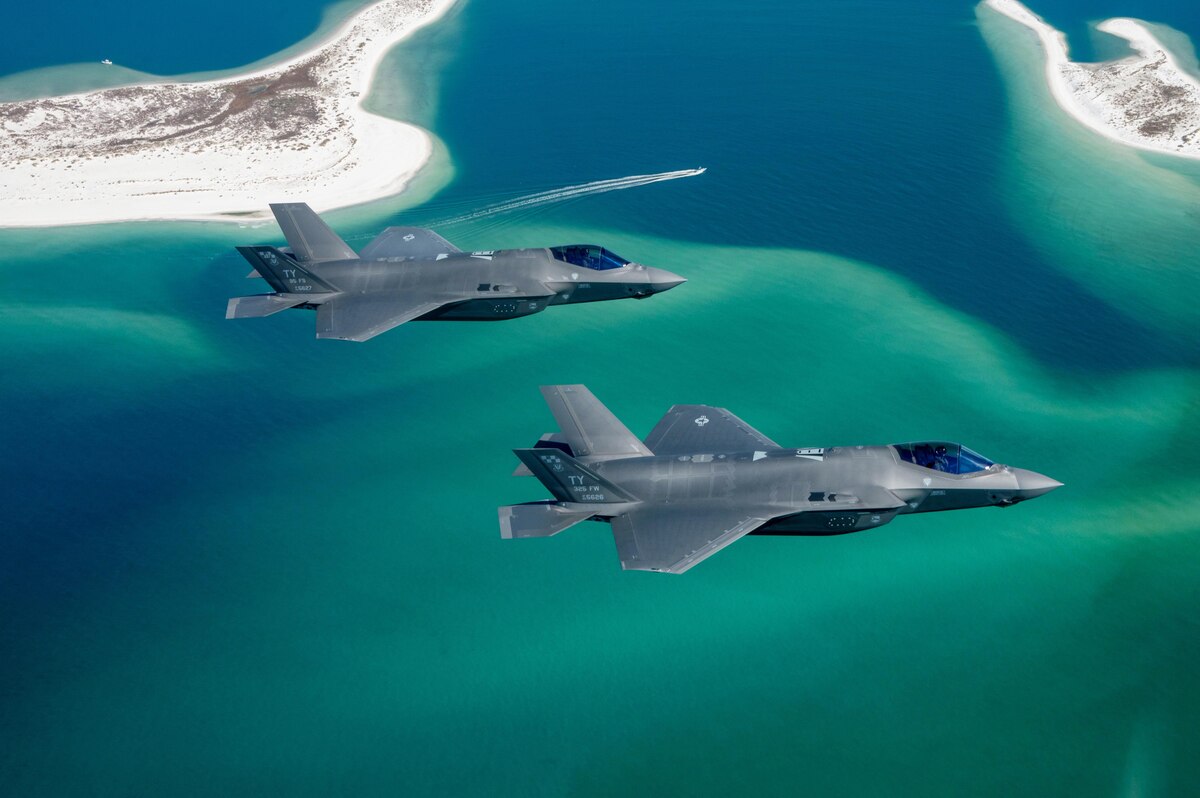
point(688, 429)
point(357, 318)
point(672, 540)
point(407, 242)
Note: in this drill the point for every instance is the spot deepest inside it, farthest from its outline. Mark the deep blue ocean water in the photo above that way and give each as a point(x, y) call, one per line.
point(238, 560)
point(152, 37)
point(864, 129)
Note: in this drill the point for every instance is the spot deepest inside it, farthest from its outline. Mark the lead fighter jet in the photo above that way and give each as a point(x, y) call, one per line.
point(413, 274)
point(704, 478)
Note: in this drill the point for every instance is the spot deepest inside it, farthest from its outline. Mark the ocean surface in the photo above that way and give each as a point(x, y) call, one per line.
point(237, 560)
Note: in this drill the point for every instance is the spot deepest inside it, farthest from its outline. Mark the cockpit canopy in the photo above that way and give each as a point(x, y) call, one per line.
point(588, 256)
point(950, 458)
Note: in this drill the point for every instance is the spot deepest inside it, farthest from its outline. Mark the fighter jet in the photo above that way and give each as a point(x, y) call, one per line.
point(413, 274)
point(704, 478)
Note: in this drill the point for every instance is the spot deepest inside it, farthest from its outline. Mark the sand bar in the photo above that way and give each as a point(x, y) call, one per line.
point(219, 149)
point(1144, 100)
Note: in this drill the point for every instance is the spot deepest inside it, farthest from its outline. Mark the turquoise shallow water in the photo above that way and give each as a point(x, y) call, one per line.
point(238, 560)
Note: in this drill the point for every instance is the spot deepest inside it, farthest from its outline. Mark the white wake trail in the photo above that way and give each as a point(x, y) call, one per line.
point(569, 192)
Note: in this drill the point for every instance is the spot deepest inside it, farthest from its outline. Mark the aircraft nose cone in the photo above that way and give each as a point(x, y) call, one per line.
point(663, 280)
point(1032, 484)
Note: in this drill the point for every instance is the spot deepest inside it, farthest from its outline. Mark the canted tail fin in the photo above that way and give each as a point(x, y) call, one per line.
point(569, 480)
point(588, 427)
point(308, 235)
point(283, 273)
point(551, 440)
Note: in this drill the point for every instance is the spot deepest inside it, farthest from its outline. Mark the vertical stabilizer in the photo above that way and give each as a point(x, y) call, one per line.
point(308, 235)
point(569, 480)
point(588, 427)
point(283, 274)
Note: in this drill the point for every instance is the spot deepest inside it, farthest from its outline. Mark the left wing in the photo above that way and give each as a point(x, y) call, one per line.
point(688, 429)
point(357, 318)
point(674, 539)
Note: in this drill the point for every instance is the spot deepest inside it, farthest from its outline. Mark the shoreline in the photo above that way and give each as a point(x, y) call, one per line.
point(117, 75)
point(1144, 100)
point(222, 149)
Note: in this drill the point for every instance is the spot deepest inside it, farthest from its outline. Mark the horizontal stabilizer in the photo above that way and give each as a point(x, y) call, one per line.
point(538, 519)
point(308, 235)
point(568, 479)
point(252, 307)
point(588, 427)
point(407, 242)
point(689, 429)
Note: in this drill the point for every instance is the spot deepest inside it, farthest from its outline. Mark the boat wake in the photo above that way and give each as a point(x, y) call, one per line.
point(565, 193)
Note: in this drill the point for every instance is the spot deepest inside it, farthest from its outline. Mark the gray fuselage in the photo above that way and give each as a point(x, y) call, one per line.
point(818, 491)
point(496, 285)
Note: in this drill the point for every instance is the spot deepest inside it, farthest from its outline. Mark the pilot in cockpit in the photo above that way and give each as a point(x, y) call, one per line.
point(923, 455)
point(940, 461)
point(931, 456)
point(949, 458)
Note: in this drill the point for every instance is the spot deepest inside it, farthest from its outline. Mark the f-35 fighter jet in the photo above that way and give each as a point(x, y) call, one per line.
point(704, 478)
point(413, 274)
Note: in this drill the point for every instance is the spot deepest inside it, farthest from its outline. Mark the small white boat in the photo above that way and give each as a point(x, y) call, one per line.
point(106, 62)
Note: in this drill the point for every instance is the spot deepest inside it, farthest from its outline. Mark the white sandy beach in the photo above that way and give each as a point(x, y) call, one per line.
point(222, 149)
point(1145, 100)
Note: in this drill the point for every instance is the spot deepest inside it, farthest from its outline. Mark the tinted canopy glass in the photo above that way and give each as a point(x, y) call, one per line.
point(588, 256)
point(949, 458)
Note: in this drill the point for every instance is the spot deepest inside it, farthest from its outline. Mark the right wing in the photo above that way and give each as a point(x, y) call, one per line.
point(672, 540)
point(588, 427)
point(357, 318)
point(689, 429)
point(407, 242)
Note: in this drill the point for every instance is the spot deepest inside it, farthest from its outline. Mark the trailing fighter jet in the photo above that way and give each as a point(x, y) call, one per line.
point(413, 274)
point(704, 478)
